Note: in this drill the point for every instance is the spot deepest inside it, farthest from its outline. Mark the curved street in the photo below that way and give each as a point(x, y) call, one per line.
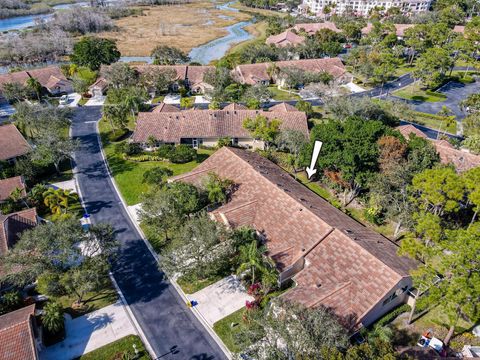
point(170, 327)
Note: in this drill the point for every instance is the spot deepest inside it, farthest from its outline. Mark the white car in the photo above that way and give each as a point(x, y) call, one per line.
point(64, 100)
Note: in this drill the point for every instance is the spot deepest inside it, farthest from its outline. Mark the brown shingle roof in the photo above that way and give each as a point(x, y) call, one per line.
point(17, 341)
point(286, 38)
point(406, 130)
point(171, 127)
point(250, 73)
point(354, 265)
point(47, 75)
point(12, 225)
point(12, 143)
point(7, 186)
point(168, 108)
point(195, 73)
point(20, 77)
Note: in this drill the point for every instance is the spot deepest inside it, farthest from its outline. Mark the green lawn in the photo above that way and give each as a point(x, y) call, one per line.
point(94, 301)
point(128, 175)
point(158, 99)
point(83, 101)
point(414, 92)
point(120, 349)
point(436, 122)
point(226, 331)
point(282, 95)
point(404, 69)
point(191, 285)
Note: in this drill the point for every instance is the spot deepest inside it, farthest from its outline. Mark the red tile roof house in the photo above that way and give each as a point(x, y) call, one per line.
point(12, 143)
point(206, 127)
point(51, 78)
point(313, 28)
point(8, 186)
point(253, 74)
point(461, 159)
point(12, 225)
point(19, 335)
point(285, 39)
point(333, 260)
point(189, 75)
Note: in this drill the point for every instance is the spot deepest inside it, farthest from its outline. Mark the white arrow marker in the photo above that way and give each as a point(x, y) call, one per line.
point(316, 151)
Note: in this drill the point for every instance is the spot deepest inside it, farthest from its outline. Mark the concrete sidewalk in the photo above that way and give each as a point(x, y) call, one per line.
point(220, 299)
point(90, 332)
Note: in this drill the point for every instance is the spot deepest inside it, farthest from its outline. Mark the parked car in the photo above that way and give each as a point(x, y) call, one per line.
point(64, 100)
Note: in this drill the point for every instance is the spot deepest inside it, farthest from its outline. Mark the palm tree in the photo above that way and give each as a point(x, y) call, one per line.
point(251, 258)
point(59, 200)
point(53, 317)
point(35, 86)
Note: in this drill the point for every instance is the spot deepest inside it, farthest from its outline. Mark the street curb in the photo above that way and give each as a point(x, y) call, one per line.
point(180, 292)
point(128, 311)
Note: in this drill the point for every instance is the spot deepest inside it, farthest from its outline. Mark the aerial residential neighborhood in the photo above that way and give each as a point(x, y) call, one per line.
point(247, 179)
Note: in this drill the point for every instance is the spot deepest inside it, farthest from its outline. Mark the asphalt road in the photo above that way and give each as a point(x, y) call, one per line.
point(171, 328)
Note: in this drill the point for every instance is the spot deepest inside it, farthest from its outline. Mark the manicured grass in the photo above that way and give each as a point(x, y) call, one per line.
point(83, 101)
point(404, 69)
point(120, 349)
point(191, 285)
point(436, 122)
point(414, 92)
point(318, 189)
point(128, 175)
point(282, 95)
point(93, 301)
point(226, 331)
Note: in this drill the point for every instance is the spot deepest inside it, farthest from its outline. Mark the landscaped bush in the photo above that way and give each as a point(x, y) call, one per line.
point(129, 149)
point(164, 151)
point(392, 315)
point(183, 154)
point(143, 158)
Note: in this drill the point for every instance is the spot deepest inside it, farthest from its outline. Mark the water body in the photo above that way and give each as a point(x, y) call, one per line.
point(217, 48)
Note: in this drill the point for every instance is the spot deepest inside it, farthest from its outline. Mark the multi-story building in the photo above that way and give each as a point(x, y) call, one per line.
point(362, 7)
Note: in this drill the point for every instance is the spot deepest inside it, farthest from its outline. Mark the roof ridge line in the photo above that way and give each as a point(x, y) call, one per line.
point(238, 207)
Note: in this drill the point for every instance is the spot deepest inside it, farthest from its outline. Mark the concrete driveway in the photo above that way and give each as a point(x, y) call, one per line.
point(220, 299)
point(91, 331)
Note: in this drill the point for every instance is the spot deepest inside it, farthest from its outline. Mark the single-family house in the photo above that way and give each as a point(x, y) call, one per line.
point(51, 78)
point(461, 159)
point(12, 143)
point(285, 39)
point(168, 108)
point(333, 260)
point(12, 225)
point(190, 76)
point(8, 186)
point(20, 337)
point(253, 74)
point(206, 127)
point(99, 87)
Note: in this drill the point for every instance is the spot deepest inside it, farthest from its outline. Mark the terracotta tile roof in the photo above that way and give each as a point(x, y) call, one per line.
point(13, 224)
point(7, 186)
point(235, 106)
point(459, 29)
point(283, 107)
point(171, 127)
point(47, 75)
point(168, 108)
point(12, 143)
point(16, 335)
point(352, 263)
point(406, 130)
point(312, 28)
point(251, 73)
point(399, 29)
point(195, 74)
point(19, 77)
point(286, 38)
point(100, 83)
point(461, 159)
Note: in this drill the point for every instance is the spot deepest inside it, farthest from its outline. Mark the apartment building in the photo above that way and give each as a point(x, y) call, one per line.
point(362, 7)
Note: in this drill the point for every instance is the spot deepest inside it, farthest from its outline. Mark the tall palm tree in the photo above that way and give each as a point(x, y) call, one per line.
point(251, 258)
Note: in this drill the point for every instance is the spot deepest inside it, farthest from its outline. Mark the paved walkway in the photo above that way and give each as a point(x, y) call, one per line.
point(220, 299)
point(96, 101)
point(91, 331)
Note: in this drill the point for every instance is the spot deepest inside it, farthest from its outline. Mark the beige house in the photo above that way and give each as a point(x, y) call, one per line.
point(205, 127)
point(333, 260)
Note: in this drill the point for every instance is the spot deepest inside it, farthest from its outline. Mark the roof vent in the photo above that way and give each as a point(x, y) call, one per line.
point(319, 285)
point(348, 231)
point(302, 199)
